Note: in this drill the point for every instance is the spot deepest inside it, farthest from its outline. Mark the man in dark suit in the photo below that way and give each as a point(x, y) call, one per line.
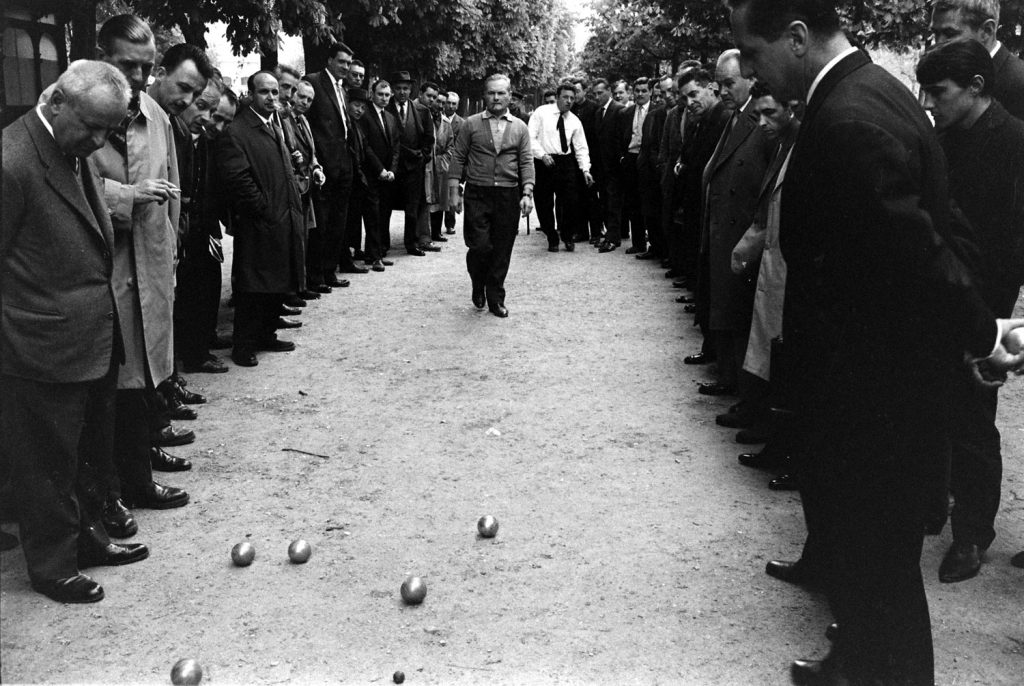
point(380, 129)
point(984, 148)
point(589, 217)
point(649, 171)
point(979, 19)
point(416, 143)
point(605, 166)
point(256, 168)
point(60, 340)
point(669, 151)
point(629, 136)
point(328, 117)
point(878, 316)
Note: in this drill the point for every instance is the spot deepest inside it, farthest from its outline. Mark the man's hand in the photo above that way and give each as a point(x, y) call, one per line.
point(548, 161)
point(678, 169)
point(155, 190)
point(526, 205)
point(589, 178)
point(297, 157)
point(318, 177)
point(1008, 355)
point(455, 197)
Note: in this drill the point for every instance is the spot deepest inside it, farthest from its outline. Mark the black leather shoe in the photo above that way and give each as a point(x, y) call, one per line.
point(416, 251)
point(309, 295)
point(439, 239)
point(735, 420)
point(450, 232)
point(118, 520)
point(1018, 560)
point(716, 388)
point(282, 323)
point(607, 246)
point(275, 345)
point(337, 283)
point(158, 497)
point(479, 297)
point(205, 367)
point(353, 269)
point(188, 397)
point(294, 301)
point(681, 283)
point(570, 247)
point(178, 411)
point(961, 562)
point(73, 589)
point(793, 573)
point(753, 435)
point(784, 482)
point(686, 299)
point(377, 266)
point(169, 435)
point(673, 274)
point(162, 461)
point(114, 555)
point(430, 248)
point(649, 255)
point(636, 250)
point(699, 358)
point(389, 263)
point(499, 311)
point(762, 460)
point(323, 288)
point(553, 248)
point(290, 311)
point(244, 357)
point(690, 309)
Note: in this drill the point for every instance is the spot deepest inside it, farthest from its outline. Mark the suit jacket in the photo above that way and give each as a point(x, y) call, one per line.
point(329, 130)
point(650, 143)
point(1009, 88)
point(416, 137)
point(732, 182)
point(879, 310)
point(604, 158)
point(457, 122)
point(268, 220)
point(586, 110)
point(58, 315)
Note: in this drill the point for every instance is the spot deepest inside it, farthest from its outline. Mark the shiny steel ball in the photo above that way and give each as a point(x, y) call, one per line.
point(487, 526)
point(398, 677)
point(243, 554)
point(299, 551)
point(413, 590)
point(187, 672)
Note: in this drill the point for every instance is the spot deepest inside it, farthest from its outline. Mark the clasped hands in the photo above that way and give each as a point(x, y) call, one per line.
point(1008, 356)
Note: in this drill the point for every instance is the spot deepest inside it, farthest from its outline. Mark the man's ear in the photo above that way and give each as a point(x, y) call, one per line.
point(977, 84)
point(987, 32)
point(798, 37)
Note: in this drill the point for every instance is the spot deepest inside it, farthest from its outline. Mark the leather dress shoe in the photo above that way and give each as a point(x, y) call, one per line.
point(73, 589)
point(416, 251)
point(178, 411)
point(208, 366)
point(450, 232)
point(553, 248)
point(570, 247)
point(716, 388)
point(690, 309)
point(389, 263)
point(188, 397)
point(8, 541)
point(377, 266)
point(114, 555)
point(244, 357)
point(221, 343)
point(353, 269)
point(439, 239)
point(118, 520)
point(753, 435)
point(479, 297)
point(636, 250)
point(681, 283)
point(735, 420)
point(430, 248)
point(1018, 560)
point(784, 482)
point(607, 246)
point(170, 435)
point(792, 572)
point(275, 345)
point(290, 311)
point(158, 497)
point(686, 299)
point(762, 460)
point(961, 562)
point(162, 461)
point(294, 301)
point(282, 323)
point(337, 283)
point(649, 255)
point(309, 295)
point(323, 288)
point(673, 274)
point(699, 358)
point(499, 310)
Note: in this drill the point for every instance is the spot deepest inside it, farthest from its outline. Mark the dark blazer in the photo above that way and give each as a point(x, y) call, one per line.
point(586, 111)
point(698, 146)
point(879, 311)
point(382, 146)
point(325, 119)
point(416, 138)
point(268, 226)
point(1009, 88)
point(605, 159)
point(650, 144)
point(58, 321)
point(732, 182)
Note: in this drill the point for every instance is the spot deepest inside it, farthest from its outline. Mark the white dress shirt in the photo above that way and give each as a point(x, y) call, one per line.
point(544, 137)
point(639, 114)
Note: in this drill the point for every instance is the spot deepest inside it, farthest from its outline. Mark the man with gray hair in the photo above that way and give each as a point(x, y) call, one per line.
point(979, 19)
point(494, 155)
point(60, 338)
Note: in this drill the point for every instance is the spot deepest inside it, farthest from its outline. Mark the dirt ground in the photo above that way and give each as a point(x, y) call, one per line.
point(631, 547)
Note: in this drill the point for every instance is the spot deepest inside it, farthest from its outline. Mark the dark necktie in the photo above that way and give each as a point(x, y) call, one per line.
point(561, 134)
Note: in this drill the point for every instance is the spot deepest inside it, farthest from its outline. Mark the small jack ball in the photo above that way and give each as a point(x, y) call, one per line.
point(243, 554)
point(413, 590)
point(399, 677)
point(187, 672)
point(299, 551)
point(487, 526)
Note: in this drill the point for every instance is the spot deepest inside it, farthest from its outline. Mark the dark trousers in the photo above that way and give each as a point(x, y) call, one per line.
point(610, 200)
point(410, 197)
point(588, 219)
point(436, 223)
point(133, 424)
point(649, 191)
point(197, 300)
point(449, 220)
point(57, 438)
point(490, 227)
point(255, 314)
point(327, 241)
point(558, 180)
point(385, 201)
point(865, 508)
point(671, 228)
point(364, 208)
point(632, 221)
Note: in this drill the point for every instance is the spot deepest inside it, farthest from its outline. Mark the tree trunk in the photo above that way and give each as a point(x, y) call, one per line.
point(83, 30)
point(194, 33)
point(268, 55)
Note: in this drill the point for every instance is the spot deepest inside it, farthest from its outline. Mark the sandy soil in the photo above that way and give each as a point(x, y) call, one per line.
point(632, 544)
